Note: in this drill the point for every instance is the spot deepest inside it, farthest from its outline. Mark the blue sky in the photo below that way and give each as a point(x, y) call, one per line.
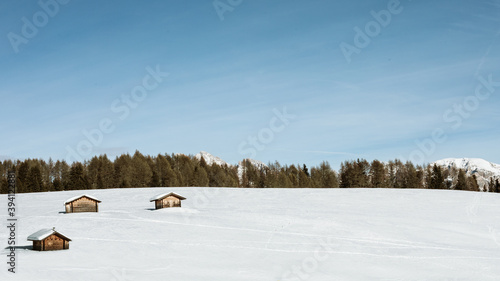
point(227, 78)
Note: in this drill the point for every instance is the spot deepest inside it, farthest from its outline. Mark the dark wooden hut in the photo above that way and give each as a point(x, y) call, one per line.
point(82, 203)
point(167, 200)
point(49, 240)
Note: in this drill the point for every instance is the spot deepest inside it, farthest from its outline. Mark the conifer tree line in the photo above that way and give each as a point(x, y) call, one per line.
point(138, 170)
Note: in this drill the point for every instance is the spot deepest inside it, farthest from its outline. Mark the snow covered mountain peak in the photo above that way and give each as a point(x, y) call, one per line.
point(471, 165)
point(482, 169)
point(210, 159)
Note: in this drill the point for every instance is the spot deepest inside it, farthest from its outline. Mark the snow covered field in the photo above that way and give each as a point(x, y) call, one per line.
point(263, 234)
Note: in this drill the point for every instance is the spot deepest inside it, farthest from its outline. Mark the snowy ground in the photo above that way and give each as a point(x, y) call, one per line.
point(264, 234)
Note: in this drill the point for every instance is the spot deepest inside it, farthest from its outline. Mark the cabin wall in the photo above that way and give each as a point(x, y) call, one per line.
point(37, 245)
point(53, 242)
point(167, 202)
point(83, 204)
point(171, 201)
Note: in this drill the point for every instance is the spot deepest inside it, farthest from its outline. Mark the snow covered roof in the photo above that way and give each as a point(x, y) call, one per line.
point(78, 197)
point(163, 195)
point(44, 233)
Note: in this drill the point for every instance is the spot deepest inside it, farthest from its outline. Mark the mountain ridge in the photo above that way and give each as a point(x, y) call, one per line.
point(482, 169)
point(211, 159)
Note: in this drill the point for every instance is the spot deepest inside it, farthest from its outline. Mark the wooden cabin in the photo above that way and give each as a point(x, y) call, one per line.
point(49, 240)
point(167, 200)
point(82, 203)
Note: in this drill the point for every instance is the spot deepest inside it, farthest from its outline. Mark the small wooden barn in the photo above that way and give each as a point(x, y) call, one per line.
point(82, 203)
point(167, 200)
point(49, 240)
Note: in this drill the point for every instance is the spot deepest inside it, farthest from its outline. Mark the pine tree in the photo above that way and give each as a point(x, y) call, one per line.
point(324, 176)
point(141, 171)
point(155, 180)
point(57, 184)
point(355, 174)
point(491, 185)
point(437, 180)
point(172, 178)
point(203, 163)
point(94, 172)
point(362, 170)
point(497, 186)
point(2, 171)
point(462, 181)
point(46, 170)
point(22, 177)
point(107, 172)
point(262, 178)
point(100, 172)
point(428, 177)
point(377, 174)
point(306, 171)
point(411, 176)
point(283, 180)
point(251, 174)
point(4, 185)
point(184, 167)
point(232, 179)
point(400, 175)
point(448, 182)
point(293, 175)
point(304, 180)
point(216, 176)
point(123, 171)
point(272, 174)
point(472, 183)
point(78, 178)
point(64, 170)
point(420, 176)
point(35, 183)
point(167, 175)
point(200, 177)
point(346, 175)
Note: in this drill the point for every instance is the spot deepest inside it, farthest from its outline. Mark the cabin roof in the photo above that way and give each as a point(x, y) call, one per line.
point(80, 196)
point(44, 233)
point(163, 195)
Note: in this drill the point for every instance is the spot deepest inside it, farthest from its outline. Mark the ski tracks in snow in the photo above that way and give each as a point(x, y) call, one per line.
point(358, 242)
